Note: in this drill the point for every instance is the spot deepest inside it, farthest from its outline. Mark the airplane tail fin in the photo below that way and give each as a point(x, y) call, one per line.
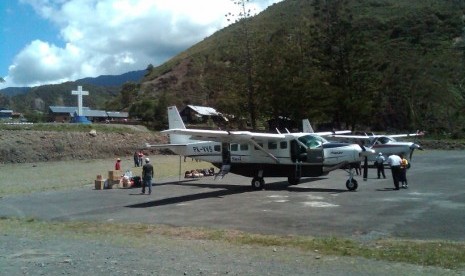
point(175, 122)
point(174, 119)
point(177, 141)
point(306, 126)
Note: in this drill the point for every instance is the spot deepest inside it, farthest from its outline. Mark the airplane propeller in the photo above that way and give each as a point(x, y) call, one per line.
point(365, 153)
point(415, 146)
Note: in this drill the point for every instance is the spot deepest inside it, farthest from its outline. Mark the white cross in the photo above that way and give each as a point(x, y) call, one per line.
point(80, 93)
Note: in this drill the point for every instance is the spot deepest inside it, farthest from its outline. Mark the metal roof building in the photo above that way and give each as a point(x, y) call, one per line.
point(66, 113)
point(115, 114)
point(200, 114)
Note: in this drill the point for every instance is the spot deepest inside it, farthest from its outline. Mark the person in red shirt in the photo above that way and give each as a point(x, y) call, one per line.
point(118, 164)
point(141, 158)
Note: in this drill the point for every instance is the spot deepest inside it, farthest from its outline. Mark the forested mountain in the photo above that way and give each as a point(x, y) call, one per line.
point(114, 80)
point(378, 64)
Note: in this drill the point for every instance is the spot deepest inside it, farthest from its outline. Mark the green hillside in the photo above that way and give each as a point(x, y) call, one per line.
point(378, 64)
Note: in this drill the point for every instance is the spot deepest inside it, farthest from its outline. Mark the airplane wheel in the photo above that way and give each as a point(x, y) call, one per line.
point(351, 185)
point(293, 180)
point(258, 183)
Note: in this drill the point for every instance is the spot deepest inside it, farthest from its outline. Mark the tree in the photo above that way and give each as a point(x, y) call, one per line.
point(128, 93)
point(247, 56)
point(341, 51)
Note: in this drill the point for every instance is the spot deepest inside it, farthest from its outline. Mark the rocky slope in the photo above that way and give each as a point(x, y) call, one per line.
point(23, 146)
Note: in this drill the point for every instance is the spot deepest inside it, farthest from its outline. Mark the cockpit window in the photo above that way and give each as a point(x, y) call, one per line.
point(312, 141)
point(384, 140)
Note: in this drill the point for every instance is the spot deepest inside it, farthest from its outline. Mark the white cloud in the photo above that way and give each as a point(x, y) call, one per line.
point(115, 36)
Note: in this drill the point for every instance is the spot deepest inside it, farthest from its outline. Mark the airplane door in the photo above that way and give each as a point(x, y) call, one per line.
point(225, 160)
point(226, 154)
point(295, 151)
point(313, 154)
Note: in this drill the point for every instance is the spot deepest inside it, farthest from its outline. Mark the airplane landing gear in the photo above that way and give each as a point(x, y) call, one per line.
point(293, 180)
point(351, 183)
point(258, 183)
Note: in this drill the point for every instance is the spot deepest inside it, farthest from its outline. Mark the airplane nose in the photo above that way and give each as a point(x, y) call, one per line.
point(366, 151)
point(415, 146)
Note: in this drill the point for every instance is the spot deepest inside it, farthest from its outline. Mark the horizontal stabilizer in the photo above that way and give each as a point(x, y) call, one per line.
point(147, 145)
point(176, 148)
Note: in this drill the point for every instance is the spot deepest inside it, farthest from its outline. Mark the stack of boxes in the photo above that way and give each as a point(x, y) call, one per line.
point(114, 178)
point(99, 183)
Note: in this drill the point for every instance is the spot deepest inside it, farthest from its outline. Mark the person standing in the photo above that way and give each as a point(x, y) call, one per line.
point(118, 164)
point(358, 168)
point(403, 172)
point(141, 158)
point(147, 176)
point(136, 159)
point(394, 162)
point(380, 165)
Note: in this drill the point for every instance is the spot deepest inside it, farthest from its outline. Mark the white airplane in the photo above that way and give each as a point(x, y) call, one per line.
point(259, 155)
point(387, 144)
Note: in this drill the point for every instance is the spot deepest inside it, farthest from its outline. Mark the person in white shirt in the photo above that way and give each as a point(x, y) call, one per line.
point(394, 162)
point(380, 164)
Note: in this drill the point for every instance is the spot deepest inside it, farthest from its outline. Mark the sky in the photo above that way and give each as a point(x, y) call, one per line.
point(53, 41)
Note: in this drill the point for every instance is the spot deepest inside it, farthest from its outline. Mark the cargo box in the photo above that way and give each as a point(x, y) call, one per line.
point(99, 184)
point(114, 175)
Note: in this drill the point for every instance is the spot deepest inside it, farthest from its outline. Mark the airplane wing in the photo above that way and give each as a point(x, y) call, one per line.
point(377, 136)
point(354, 136)
point(164, 146)
point(228, 137)
point(407, 135)
point(223, 136)
point(332, 133)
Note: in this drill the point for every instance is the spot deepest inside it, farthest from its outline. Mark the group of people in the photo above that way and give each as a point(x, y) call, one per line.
point(138, 158)
point(399, 165)
point(147, 172)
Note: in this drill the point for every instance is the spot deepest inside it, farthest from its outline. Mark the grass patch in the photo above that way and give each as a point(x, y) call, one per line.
point(443, 254)
point(44, 176)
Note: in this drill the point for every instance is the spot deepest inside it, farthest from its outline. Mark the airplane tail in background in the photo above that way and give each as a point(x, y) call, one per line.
point(178, 142)
point(306, 126)
point(175, 122)
point(174, 119)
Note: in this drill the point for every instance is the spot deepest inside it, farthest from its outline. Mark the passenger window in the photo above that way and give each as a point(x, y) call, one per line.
point(272, 145)
point(234, 147)
point(217, 148)
point(260, 144)
point(283, 145)
point(244, 147)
